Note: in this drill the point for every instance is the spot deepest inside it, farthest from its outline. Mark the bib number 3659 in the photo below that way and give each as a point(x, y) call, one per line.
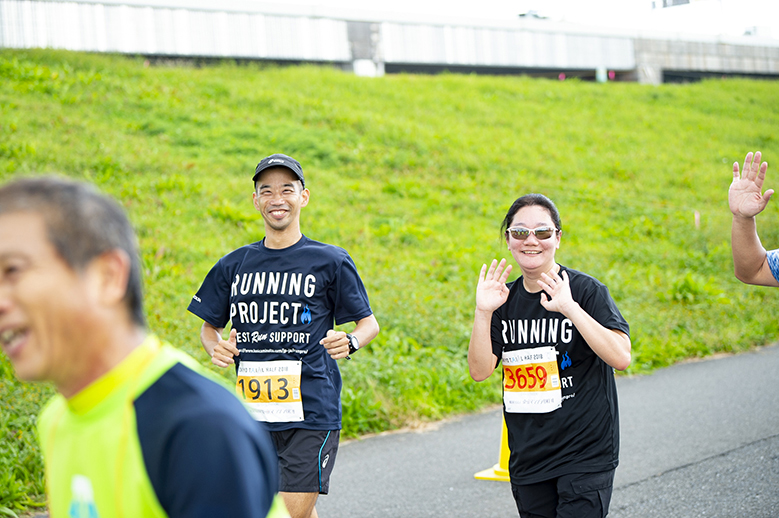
point(531, 381)
point(526, 377)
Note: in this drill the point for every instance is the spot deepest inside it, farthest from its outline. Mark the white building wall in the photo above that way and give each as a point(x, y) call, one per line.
point(239, 29)
point(172, 32)
point(494, 47)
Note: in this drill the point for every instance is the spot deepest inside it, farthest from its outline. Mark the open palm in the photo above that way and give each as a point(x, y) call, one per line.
point(491, 292)
point(745, 195)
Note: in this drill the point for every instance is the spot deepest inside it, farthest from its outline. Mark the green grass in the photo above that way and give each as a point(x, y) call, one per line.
point(412, 175)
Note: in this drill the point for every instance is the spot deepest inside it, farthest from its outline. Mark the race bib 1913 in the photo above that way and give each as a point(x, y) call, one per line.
point(271, 390)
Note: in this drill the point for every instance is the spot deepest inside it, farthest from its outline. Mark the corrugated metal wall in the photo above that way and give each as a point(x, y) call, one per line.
point(138, 29)
point(453, 45)
point(236, 31)
point(171, 32)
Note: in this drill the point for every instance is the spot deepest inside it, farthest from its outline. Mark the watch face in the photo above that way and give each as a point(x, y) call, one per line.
point(353, 344)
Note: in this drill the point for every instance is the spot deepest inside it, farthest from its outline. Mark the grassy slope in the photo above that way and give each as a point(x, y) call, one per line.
point(412, 175)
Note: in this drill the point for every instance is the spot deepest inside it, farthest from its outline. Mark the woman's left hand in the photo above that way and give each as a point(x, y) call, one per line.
point(611, 345)
point(556, 296)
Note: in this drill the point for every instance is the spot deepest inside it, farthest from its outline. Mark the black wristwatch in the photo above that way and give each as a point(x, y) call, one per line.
point(354, 344)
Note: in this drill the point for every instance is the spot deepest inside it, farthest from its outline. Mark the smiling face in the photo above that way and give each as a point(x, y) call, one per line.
point(43, 302)
point(279, 196)
point(534, 256)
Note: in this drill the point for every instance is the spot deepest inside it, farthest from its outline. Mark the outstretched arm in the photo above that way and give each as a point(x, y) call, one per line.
point(491, 293)
point(746, 201)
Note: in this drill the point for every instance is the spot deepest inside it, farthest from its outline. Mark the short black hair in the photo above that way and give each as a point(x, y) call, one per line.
point(529, 200)
point(81, 224)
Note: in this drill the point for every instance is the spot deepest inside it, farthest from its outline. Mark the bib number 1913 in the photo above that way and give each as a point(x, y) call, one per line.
point(271, 390)
point(264, 390)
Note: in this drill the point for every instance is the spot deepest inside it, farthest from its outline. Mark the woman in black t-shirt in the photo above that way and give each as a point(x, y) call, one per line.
point(559, 335)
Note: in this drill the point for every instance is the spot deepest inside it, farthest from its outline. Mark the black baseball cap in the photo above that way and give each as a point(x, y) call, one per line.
point(279, 160)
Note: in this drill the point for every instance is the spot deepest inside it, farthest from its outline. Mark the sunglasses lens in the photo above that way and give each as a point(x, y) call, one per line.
point(518, 234)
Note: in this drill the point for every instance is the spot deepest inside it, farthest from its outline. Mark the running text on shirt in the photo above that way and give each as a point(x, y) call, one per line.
point(537, 331)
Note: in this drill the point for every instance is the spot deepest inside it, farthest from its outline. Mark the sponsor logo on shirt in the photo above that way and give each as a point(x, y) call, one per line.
point(305, 318)
point(566, 361)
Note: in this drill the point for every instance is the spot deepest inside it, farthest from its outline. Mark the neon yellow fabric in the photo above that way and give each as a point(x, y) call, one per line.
point(107, 479)
point(92, 453)
point(278, 510)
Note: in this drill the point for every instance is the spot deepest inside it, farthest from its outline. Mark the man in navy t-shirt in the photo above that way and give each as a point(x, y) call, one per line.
point(283, 296)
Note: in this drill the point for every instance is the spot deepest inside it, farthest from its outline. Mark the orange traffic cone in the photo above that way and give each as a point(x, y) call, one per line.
point(499, 471)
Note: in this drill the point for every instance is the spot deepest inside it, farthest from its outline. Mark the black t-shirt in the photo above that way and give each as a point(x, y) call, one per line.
point(282, 303)
point(582, 435)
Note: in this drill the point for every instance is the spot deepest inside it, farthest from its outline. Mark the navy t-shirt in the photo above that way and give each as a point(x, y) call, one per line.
point(282, 302)
point(582, 436)
point(180, 421)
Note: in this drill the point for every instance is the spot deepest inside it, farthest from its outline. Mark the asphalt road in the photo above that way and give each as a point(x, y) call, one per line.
point(699, 439)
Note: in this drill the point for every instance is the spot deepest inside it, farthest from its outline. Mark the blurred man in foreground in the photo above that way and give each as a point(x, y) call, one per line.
point(752, 264)
point(134, 430)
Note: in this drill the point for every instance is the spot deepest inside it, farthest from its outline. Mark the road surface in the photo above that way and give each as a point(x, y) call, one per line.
point(699, 439)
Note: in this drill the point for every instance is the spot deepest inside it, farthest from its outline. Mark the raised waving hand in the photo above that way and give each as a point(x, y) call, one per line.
point(491, 291)
point(745, 195)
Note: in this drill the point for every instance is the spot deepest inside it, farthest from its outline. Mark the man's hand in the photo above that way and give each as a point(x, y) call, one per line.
point(744, 196)
point(225, 350)
point(336, 343)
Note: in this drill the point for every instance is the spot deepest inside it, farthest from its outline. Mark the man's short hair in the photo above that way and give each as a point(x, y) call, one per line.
point(81, 224)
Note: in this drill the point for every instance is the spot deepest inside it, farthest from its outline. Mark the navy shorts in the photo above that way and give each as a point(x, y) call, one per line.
point(306, 459)
point(580, 495)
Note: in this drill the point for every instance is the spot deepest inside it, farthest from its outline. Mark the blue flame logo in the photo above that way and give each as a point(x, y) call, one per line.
point(566, 361)
point(305, 317)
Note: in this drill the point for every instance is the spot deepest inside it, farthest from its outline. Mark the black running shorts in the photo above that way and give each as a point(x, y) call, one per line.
point(306, 459)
